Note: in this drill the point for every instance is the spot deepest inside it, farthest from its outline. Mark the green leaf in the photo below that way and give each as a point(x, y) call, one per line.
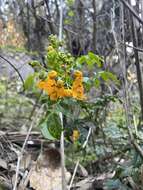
point(71, 13)
point(34, 63)
point(96, 59)
point(51, 126)
point(54, 125)
point(90, 63)
point(2, 88)
point(112, 76)
point(108, 76)
point(115, 184)
point(104, 75)
point(70, 2)
point(86, 79)
point(29, 82)
point(97, 83)
point(127, 171)
point(45, 131)
point(63, 110)
point(67, 21)
point(82, 59)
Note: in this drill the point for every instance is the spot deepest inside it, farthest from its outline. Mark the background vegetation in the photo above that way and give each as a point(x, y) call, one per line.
point(103, 40)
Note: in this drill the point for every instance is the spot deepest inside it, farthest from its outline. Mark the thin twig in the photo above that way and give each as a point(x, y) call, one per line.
point(23, 147)
point(87, 138)
point(61, 21)
point(133, 47)
point(62, 153)
point(64, 186)
point(77, 163)
point(14, 69)
point(74, 173)
point(130, 8)
point(56, 24)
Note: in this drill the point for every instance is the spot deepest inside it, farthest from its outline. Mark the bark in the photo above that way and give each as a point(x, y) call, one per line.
point(94, 25)
point(49, 16)
point(132, 11)
point(137, 62)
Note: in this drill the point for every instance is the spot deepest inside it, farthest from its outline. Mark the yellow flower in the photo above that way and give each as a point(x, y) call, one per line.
point(53, 96)
point(50, 84)
point(78, 94)
point(77, 87)
point(50, 48)
point(77, 84)
point(52, 74)
point(78, 74)
point(60, 83)
point(60, 89)
point(56, 90)
point(68, 93)
point(75, 135)
point(41, 84)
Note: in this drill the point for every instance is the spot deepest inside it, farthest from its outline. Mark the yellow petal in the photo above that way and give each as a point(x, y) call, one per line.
point(78, 74)
point(68, 93)
point(52, 74)
point(75, 135)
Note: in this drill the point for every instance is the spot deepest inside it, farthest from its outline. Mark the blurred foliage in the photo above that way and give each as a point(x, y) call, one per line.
point(10, 35)
point(15, 108)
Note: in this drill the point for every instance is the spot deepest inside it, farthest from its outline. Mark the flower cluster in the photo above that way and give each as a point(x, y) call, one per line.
point(55, 88)
point(77, 87)
point(75, 135)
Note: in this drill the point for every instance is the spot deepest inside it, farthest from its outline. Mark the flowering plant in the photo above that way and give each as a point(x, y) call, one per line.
point(61, 77)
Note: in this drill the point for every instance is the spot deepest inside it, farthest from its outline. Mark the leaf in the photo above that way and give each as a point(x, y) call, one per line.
point(70, 2)
point(88, 83)
point(96, 59)
point(67, 21)
point(127, 171)
point(112, 76)
point(90, 63)
point(96, 80)
point(29, 82)
point(2, 88)
point(82, 59)
point(63, 110)
point(97, 83)
point(71, 13)
point(54, 125)
point(104, 75)
point(108, 76)
point(115, 184)
point(45, 131)
point(51, 126)
point(86, 79)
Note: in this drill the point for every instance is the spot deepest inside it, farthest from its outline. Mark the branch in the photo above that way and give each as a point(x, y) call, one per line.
point(14, 69)
point(51, 26)
point(77, 163)
point(20, 154)
point(62, 153)
point(127, 5)
point(137, 62)
point(94, 25)
point(133, 47)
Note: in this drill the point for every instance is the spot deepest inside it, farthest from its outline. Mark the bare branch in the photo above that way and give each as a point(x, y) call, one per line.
point(132, 11)
point(14, 69)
